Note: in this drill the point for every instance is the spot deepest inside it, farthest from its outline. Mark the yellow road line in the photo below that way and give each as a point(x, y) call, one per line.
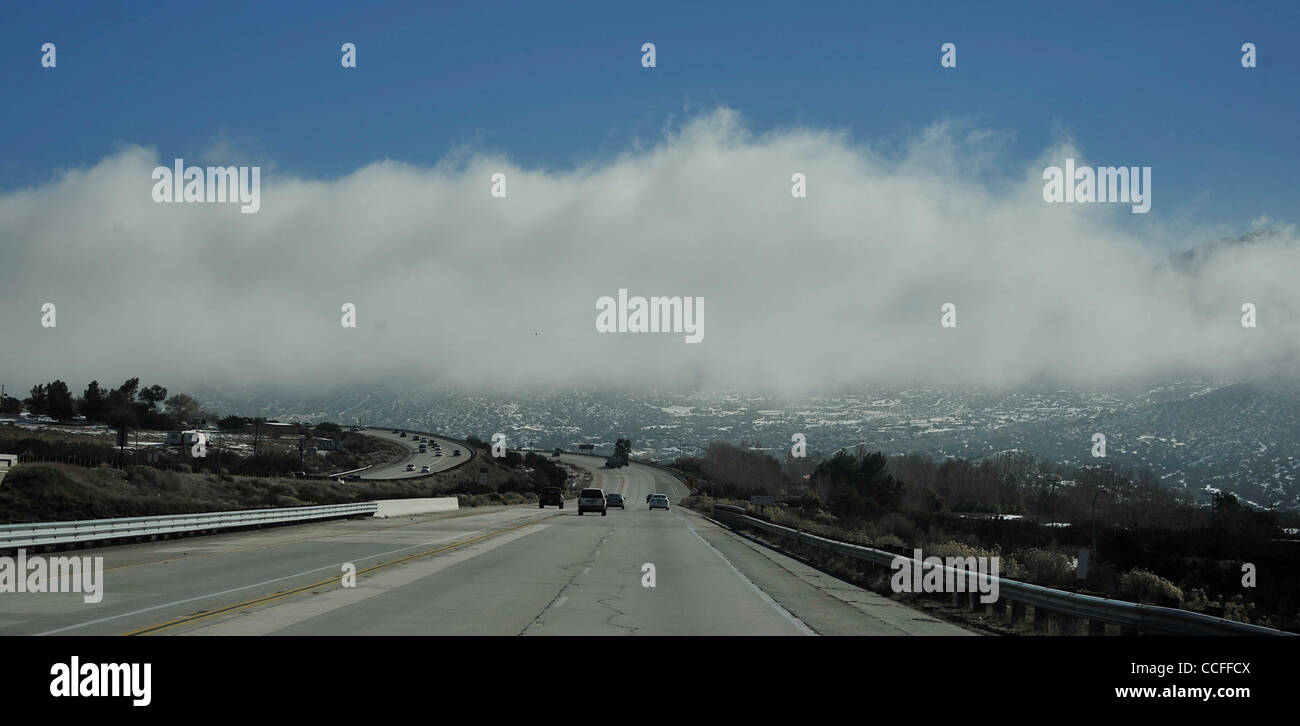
point(206, 614)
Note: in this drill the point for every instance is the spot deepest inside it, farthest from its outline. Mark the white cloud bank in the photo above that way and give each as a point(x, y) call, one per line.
point(455, 287)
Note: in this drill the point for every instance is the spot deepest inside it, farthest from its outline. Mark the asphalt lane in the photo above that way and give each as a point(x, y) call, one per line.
point(631, 572)
point(515, 570)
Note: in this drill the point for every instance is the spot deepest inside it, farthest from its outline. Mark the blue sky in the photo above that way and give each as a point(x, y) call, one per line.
point(559, 84)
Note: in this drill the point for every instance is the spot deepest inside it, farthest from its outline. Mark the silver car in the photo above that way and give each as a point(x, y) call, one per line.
point(592, 500)
point(658, 501)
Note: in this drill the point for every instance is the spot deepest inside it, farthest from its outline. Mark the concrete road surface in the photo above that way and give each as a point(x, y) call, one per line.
point(502, 571)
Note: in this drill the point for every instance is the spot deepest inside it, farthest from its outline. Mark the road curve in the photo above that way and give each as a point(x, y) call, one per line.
point(515, 570)
point(397, 469)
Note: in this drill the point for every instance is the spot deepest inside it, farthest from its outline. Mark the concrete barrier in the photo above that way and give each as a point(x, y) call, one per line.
point(402, 507)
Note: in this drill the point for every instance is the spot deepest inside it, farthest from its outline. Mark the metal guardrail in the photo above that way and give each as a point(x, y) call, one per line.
point(1147, 618)
point(37, 534)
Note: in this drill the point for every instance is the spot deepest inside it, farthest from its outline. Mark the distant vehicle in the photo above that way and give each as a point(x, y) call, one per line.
point(354, 477)
point(299, 474)
point(592, 500)
point(423, 449)
point(558, 451)
point(397, 431)
point(424, 469)
point(550, 495)
point(437, 453)
point(658, 501)
point(614, 499)
point(410, 467)
point(402, 435)
point(621, 449)
point(455, 452)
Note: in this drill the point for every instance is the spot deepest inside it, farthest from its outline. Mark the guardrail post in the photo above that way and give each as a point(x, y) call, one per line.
point(1017, 612)
point(1041, 618)
point(1000, 608)
point(1066, 624)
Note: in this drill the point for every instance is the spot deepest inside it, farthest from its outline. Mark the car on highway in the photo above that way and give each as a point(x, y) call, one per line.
point(658, 501)
point(423, 449)
point(550, 495)
point(592, 500)
point(410, 467)
point(455, 452)
point(402, 435)
point(424, 469)
point(614, 499)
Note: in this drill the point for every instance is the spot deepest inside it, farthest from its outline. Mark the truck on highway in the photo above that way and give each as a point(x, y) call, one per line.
point(621, 449)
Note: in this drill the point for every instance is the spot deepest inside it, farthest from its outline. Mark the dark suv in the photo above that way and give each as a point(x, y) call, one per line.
point(551, 495)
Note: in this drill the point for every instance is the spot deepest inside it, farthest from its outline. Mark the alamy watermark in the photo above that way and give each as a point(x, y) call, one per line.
point(39, 574)
point(946, 574)
point(655, 315)
point(97, 680)
point(1105, 184)
point(199, 185)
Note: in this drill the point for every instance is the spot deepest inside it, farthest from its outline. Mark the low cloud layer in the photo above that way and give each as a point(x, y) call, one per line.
point(455, 287)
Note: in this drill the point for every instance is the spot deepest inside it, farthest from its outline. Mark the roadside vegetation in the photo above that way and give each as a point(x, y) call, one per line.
point(1154, 545)
point(94, 489)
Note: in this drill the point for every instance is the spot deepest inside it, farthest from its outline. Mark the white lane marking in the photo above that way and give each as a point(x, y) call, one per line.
point(563, 599)
point(799, 624)
point(334, 567)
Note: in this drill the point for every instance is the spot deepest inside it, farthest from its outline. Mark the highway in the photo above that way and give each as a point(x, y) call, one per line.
point(515, 570)
point(397, 469)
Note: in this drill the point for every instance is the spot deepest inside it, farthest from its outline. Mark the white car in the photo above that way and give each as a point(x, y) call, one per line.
point(424, 469)
point(658, 501)
point(410, 467)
